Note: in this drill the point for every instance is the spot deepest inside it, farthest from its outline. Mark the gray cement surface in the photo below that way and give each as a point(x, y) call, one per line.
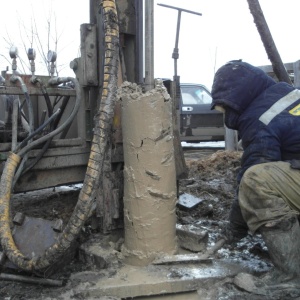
point(131, 282)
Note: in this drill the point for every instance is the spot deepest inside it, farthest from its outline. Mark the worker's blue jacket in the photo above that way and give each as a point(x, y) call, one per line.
point(265, 113)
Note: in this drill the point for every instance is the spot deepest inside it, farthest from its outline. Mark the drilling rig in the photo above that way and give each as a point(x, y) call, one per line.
point(58, 131)
point(64, 130)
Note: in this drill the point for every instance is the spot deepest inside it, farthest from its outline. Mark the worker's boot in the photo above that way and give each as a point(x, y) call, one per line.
point(283, 243)
point(237, 228)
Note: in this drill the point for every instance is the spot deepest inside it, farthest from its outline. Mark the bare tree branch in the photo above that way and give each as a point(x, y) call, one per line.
point(32, 37)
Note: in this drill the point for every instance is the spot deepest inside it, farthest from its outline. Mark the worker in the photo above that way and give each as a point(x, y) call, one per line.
point(266, 115)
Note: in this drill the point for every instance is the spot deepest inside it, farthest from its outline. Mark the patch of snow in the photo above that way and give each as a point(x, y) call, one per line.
point(217, 144)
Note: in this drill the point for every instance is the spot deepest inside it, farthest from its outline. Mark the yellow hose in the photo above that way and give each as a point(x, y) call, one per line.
point(12, 163)
point(103, 123)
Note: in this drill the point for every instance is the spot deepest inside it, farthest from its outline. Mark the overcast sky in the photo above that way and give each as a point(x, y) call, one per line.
point(225, 31)
point(65, 17)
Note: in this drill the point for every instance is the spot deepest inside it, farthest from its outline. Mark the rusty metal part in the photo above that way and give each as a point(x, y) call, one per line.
point(34, 280)
point(19, 218)
point(34, 236)
point(13, 88)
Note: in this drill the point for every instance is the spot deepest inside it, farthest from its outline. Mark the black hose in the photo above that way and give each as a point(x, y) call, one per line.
point(15, 117)
point(31, 128)
point(60, 128)
point(47, 144)
point(23, 168)
point(30, 112)
point(37, 131)
point(48, 103)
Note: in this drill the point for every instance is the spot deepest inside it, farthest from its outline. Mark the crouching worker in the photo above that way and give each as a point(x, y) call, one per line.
point(266, 115)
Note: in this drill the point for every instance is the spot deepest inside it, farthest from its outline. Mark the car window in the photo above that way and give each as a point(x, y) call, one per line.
point(195, 95)
point(188, 99)
point(204, 96)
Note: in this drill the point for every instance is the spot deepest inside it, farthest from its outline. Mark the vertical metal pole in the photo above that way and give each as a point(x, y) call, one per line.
point(267, 39)
point(139, 8)
point(93, 11)
point(149, 45)
point(175, 54)
point(296, 65)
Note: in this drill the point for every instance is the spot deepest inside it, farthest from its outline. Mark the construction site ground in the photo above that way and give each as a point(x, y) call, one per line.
point(99, 272)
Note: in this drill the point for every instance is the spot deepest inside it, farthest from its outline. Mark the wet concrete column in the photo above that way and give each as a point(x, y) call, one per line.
point(149, 175)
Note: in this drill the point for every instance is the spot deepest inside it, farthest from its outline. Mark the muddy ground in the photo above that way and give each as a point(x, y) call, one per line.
point(212, 178)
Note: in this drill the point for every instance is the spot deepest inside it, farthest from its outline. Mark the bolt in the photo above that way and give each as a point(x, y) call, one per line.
point(19, 219)
point(74, 64)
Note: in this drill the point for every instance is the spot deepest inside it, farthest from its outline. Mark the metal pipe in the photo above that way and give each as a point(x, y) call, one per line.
point(175, 54)
point(15, 117)
point(182, 9)
point(149, 45)
point(140, 44)
point(14, 79)
point(268, 41)
point(34, 280)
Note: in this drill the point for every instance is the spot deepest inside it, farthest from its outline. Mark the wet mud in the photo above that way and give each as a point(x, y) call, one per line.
point(212, 177)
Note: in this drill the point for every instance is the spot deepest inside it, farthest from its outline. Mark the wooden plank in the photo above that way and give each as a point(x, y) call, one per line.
point(35, 180)
point(58, 162)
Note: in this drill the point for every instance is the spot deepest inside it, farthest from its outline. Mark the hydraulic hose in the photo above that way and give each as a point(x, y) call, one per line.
point(25, 168)
point(15, 114)
point(30, 112)
point(103, 125)
point(38, 130)
point(52, 117)
point(47, 144)
point(20, 170)
point(48, 102)
point(6, 185)
point(11, 164)
point(46, 137)
point(15, 78)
